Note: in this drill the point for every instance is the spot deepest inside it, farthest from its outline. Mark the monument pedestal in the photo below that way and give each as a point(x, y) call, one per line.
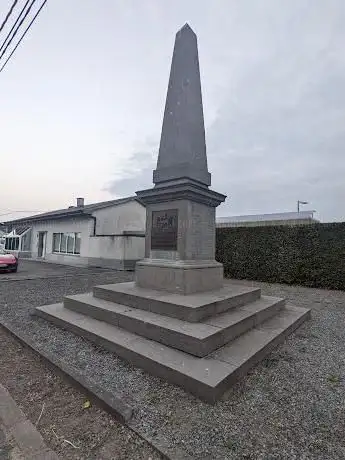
point(182, 277)
point(180, 238)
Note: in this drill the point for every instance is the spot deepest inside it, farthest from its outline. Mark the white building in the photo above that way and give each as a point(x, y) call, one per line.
point(108, 234)
point(258, 220)
point(2, 239)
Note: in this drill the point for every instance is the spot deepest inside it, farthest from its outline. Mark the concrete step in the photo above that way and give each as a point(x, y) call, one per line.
point(198, 339)
point(208, 378)
point(193, 307)
point(250, 348)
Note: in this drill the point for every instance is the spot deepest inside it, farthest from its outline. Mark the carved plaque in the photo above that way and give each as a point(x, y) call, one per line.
point(164, 230)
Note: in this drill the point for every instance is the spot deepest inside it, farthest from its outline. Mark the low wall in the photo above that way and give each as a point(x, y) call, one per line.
point(24, 255)
point(20, 254)
point(310, 255)
point(120, 252)
point(65, 259)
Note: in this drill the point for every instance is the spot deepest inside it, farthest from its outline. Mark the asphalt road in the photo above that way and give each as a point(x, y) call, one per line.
point(29, 269)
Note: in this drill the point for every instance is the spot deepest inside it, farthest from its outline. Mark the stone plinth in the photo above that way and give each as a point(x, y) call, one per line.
point(180, 277)
point(181, 259)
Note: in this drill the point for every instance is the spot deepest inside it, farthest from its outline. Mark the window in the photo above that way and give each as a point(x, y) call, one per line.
point(26, 241)
point(70, 243)
point(66, 243)
point(56, 242)
point(77, 243)
point(63, 245)
point(12, 243)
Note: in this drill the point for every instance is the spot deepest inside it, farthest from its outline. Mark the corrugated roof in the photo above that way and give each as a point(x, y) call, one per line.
point(267, 217)
point(72, 211)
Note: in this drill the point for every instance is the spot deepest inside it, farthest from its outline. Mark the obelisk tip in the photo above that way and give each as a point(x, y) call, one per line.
point(186, 29)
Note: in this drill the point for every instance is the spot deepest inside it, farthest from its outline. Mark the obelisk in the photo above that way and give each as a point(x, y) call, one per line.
point(180, 208)
point(182, 150)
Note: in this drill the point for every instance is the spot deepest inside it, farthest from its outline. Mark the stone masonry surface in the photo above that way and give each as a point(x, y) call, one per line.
point(201, 235)
point(291, 406)
point(182, 149)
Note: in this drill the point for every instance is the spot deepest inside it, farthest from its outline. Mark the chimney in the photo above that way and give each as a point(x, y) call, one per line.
point(80, 202)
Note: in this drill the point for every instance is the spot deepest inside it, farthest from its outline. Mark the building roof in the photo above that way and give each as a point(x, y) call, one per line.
point(72, 211)
point(302, 215)
point(21, 230)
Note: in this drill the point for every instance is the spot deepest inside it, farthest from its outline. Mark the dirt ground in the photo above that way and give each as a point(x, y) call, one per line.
point(72, 431)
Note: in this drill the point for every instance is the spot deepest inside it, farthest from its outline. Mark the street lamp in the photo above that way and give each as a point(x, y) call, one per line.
point(299, 202)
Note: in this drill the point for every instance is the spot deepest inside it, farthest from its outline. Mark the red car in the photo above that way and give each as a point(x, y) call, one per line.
point(8, 262)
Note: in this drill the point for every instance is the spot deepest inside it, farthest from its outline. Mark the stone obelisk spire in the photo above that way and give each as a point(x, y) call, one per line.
point(182, 150)
point(180, 208)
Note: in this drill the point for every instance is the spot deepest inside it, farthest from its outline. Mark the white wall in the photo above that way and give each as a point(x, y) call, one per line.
point(117, 247)
point(114, 220)
point(111, 222)
point(77, 225)
point(106, 247)
point(134, 248)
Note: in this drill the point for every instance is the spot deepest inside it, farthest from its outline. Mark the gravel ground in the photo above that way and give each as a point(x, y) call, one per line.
point(291, 406)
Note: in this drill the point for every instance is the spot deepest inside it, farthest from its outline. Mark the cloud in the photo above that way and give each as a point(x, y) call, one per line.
point(277, 132)
point(135, 175)
point(283, 136)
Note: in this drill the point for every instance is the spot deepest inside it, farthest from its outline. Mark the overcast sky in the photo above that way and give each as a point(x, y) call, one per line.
point(82, 100)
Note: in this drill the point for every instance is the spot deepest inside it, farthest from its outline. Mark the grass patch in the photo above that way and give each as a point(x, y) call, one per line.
point(335, 379)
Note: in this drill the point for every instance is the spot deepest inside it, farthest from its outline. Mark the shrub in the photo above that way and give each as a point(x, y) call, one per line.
point(308, 255)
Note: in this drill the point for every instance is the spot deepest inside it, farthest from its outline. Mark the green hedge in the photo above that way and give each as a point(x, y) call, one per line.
point(309, 255)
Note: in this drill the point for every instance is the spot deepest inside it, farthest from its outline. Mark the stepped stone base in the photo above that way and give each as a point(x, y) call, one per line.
point(202, 342)
point(192, 308)
point(198, 339)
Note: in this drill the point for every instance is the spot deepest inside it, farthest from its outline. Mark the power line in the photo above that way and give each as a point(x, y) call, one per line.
point(14, 25)
point(20, 23)
point(8, 15)
point(21, 38)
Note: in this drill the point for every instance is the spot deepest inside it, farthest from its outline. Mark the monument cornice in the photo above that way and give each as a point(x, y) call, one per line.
point(187, 191)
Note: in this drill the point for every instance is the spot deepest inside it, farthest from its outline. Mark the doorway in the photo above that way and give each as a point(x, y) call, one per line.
point(42, 239)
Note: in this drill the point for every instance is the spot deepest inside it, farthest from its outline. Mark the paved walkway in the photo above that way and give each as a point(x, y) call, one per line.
point(19, 439)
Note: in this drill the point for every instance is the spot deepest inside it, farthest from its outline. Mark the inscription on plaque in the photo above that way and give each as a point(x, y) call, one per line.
point(164, 230)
